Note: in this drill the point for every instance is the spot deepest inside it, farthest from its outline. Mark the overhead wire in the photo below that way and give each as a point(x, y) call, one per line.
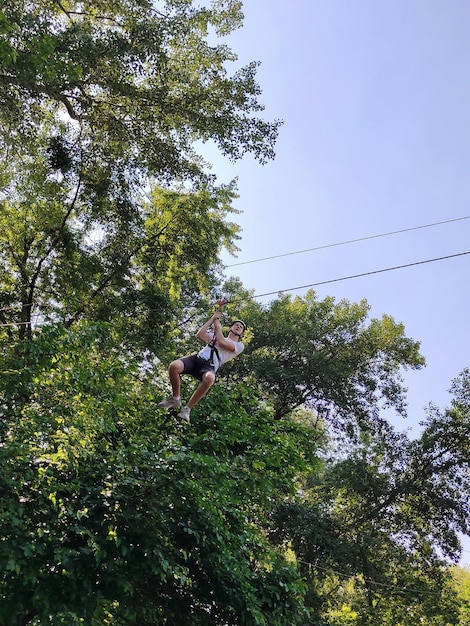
point(350, 277)
point(343, 243)
point(323, 282)
point(372, 582)
point(318, 283)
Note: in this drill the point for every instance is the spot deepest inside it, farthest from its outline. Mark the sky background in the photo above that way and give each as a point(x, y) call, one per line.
point(375, 98)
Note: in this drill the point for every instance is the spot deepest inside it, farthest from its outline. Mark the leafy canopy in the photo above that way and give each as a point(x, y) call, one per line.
point(136, 84)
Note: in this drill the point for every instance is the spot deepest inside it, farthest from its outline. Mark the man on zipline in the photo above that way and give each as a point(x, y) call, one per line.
point(204, 365)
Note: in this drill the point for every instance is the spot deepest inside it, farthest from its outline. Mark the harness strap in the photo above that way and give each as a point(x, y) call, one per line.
point(220, 306)
point(213, 351)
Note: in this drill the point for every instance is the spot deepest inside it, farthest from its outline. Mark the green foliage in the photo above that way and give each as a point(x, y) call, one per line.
point(328, 356)
point(109, 509)
point(372, 527)
point(139, 267)
point(461, 578)
point(289, 499)
point(99, 104)
point(142, 83)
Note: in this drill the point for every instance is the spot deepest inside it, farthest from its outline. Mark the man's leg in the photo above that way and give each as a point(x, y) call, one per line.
point(176, 368)
point(208, 379)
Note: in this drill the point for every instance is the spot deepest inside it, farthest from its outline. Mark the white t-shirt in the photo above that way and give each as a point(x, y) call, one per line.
point(224, 355)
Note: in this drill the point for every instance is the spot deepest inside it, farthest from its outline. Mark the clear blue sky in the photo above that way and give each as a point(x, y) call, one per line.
point(375, 98)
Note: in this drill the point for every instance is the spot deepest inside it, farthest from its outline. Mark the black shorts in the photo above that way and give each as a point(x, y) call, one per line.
point(196, 366)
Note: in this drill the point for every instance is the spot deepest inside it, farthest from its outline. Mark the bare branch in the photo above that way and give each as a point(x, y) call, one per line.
point(70, 110)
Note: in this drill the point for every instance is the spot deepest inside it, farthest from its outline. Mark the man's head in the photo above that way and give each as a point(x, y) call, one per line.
point(237, 328)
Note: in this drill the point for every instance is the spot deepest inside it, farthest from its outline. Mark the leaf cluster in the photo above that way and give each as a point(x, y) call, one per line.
point(329, 356)
point(110, 510)
point(141, 84)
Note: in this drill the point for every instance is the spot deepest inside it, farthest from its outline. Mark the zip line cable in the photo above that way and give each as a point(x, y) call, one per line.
point(335, 280)
point(372, 582)
point(331, 245)
point(343, 243)
point(323, 282)
point(15, 308)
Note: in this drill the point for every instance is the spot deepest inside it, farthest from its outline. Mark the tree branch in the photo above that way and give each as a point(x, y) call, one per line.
point(84, 14)
point(70, 110)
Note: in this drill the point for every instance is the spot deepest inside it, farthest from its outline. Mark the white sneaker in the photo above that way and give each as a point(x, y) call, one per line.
point(170, 403)
point(184, 413)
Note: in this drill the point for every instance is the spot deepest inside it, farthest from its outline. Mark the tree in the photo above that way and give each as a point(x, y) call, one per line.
point(109, 512)
point(136, 84)
point(108, 214)
point(101, 106)
point(137, 265)
point(372, 529)
point(329, 357)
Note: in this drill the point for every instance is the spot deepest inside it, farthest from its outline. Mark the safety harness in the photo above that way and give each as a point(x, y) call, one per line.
point(213, 351)
point(212, 343)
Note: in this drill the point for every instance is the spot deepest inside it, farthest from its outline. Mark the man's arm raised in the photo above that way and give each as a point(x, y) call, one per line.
point(203, 332)
point(222, 341)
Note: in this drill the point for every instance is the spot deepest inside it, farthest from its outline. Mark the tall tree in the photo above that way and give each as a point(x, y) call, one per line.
point(329, 356)
point(99, 105)
point(137, 84)
point(111, 513)
point(386, 515)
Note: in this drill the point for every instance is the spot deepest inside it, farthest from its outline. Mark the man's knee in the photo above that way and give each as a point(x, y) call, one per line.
point(208, 379)
point(176, 367)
